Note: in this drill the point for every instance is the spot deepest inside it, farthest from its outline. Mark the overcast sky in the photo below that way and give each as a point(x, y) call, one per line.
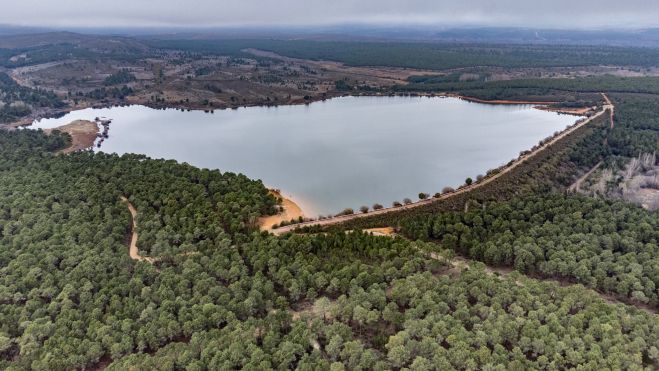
point(212, 13)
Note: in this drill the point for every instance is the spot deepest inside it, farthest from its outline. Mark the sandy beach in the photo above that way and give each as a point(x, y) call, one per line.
point(291, 211)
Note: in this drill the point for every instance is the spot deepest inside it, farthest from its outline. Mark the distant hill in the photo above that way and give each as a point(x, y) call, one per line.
point(20, 30)
point(18, 37)
point(105, 44)
point(646, 38)
point(638, 38)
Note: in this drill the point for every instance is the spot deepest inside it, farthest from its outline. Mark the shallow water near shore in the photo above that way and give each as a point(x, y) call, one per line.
point(344, 152)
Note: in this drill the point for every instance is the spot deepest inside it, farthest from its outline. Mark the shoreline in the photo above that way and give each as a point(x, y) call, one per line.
point(83, 135)
point(460, 190)
point(501, 101)
point(291, 210)
point(567, 111)
point(49, 113)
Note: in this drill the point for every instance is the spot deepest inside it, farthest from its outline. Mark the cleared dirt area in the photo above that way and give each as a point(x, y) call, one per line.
point(649, 198)
point(384, 231)
point(321, 307)
point(83, 134)
point(636, 182)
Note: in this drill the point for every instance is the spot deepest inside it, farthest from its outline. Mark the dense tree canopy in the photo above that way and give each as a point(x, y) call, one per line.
point(222, 295)
point(604, 245)
point(17, 101)
point(421, 55)
point(427, 322)
point(219, 294)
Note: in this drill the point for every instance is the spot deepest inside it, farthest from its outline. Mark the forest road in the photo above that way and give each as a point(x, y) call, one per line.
point(613, 109)
point(133, 251)
point(575, 187)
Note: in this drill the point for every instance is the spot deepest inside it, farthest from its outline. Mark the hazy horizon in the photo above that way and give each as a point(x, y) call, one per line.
point(200, 14)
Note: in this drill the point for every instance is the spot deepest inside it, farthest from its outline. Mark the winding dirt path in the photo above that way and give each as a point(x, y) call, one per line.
point(459, 264)
point(576, 186)
point(515, 164)
point(133, 251)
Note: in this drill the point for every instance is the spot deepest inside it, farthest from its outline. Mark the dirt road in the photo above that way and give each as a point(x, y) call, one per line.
point(515, 164)
point(577, 185)
point(133, 251)
point(459, 264)
point(613, 108)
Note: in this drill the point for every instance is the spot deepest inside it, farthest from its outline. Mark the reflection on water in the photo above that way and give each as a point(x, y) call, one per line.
point(345, 152)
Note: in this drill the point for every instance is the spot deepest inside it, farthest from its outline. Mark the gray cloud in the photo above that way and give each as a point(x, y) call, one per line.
point(212, 13)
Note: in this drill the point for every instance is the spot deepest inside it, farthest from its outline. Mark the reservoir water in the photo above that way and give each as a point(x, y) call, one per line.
point(344, 152)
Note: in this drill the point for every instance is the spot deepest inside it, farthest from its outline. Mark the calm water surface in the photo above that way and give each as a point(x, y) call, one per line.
point(345, 152)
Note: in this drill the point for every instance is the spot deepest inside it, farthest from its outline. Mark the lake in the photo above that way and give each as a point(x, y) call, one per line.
point(344, 152)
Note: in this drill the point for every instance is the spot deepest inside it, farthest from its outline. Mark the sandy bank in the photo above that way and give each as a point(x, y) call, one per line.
point(568, 111)
point(291, 211)
point(498, 101)
point(83, 134)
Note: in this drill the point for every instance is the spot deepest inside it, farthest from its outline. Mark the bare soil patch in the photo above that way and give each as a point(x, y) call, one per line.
point(313, 309)
point(649, 198)
point(384, 231)
point(568, 111)
point(83, 134)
